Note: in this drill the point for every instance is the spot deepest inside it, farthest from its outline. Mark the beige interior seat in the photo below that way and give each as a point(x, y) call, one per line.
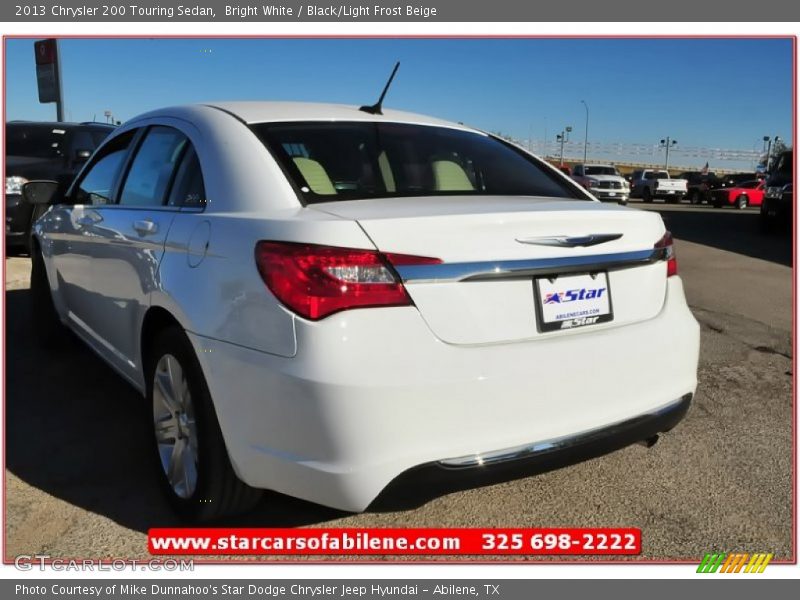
point(386, 172)
point(315, 175)
point(449, 176)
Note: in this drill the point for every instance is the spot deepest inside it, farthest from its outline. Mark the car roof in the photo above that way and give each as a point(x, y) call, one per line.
point(252, 112)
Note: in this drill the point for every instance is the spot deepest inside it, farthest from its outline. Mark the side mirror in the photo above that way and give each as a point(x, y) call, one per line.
point(82, 155)
point(40, 192)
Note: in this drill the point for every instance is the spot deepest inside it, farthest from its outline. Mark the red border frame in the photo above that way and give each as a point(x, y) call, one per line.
point(500, 560)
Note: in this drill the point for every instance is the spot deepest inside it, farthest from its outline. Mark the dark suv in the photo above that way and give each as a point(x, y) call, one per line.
point(699, 184)
point(36, 150)
point(776, 207)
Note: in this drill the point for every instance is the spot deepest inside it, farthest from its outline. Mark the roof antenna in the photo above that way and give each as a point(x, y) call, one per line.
point(375, 109)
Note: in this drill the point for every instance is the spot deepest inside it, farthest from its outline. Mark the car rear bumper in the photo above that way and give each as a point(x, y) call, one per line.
point(372, 393)
point(669, 194)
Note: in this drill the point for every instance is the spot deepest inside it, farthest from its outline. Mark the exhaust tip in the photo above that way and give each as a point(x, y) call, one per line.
point(649, 442)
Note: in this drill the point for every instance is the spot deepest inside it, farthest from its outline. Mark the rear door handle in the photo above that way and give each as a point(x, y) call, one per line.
point(145, 227)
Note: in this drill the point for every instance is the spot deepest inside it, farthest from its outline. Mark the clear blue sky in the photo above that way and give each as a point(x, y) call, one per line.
point(712, 93)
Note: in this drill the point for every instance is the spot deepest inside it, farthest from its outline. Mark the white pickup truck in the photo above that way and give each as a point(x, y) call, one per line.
point(603, 181)
point(650, 183)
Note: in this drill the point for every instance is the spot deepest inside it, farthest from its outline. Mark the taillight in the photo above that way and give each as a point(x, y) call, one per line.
point(315, 281)
point(665, 244)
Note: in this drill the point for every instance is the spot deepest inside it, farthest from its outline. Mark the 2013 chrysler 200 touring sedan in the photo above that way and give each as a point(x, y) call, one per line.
point(314, 299)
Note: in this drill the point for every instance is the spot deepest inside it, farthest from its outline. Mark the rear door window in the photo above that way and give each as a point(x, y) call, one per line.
point(152, 169)
point(188, 191)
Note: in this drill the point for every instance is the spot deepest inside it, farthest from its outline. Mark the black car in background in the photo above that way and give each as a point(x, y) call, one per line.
point(36, 150)
point(776, 208)
point(737, 179)
point(699, 184)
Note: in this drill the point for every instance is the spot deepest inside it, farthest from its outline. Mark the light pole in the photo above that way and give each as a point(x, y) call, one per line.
point(767, 148)
point(666, 143)
point(562, 137)
point(585, 132)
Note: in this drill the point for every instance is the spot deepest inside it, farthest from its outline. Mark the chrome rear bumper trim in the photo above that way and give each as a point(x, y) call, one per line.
point(528, 451)
point(519, 269)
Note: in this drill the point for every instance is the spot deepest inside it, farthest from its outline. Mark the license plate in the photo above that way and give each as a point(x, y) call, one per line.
point(612, 193)
point(570, 301)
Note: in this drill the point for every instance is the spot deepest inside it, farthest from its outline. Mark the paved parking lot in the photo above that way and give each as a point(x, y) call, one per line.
point(76, 484)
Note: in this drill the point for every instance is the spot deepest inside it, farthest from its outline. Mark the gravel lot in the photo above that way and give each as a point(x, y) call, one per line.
point(76, 484)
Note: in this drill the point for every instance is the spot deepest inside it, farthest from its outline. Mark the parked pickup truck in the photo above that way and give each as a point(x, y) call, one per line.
point(603, 181)
point(649, 183)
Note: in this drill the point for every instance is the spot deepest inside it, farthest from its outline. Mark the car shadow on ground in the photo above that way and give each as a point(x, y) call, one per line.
point(76, 431)
point(727, 229)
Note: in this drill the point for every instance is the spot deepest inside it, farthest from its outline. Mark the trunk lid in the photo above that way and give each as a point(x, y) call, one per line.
point(469, 299)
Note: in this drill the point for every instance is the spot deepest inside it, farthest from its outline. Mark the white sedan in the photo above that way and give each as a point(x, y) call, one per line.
point(315, 299)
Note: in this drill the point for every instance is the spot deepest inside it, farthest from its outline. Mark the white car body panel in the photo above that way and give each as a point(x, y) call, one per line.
point(353, 415)
point(332, 410)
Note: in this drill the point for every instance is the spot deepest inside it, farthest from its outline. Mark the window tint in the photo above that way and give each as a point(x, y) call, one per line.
point(97, 184)
point(153, 167)
point(82, 140)
point(98, 136)
point(188, 189)
point(34, 141)
point(599, 170)
point(357, 160)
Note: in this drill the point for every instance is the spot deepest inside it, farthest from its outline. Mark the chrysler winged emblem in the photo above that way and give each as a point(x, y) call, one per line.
point(567, 241)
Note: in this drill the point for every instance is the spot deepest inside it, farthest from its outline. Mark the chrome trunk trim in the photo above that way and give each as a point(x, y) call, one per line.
point(521, 269)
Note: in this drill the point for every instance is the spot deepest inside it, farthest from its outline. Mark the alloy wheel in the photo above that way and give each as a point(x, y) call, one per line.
point(175, 426)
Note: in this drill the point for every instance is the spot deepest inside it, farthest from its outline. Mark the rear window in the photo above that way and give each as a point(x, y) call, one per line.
point(358, 160)
point(35, 141)
point(601, 171)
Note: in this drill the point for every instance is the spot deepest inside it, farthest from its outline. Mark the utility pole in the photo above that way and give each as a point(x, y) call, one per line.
point(667, 143)
point(562, 137)
point(585, 132)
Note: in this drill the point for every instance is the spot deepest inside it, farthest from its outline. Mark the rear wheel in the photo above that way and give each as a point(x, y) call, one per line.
point(742, 202)
point(695, 198)
point(646, 195)
point(192, 461)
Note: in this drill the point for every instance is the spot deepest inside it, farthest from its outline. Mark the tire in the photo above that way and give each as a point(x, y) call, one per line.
point(766, 224)
point(695, 198)
point(646, 195)
point(191, 459)
point(46, 325)
point(742, 202)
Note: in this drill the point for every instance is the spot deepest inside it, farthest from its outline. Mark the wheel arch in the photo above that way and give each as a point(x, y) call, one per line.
point(156, 319)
